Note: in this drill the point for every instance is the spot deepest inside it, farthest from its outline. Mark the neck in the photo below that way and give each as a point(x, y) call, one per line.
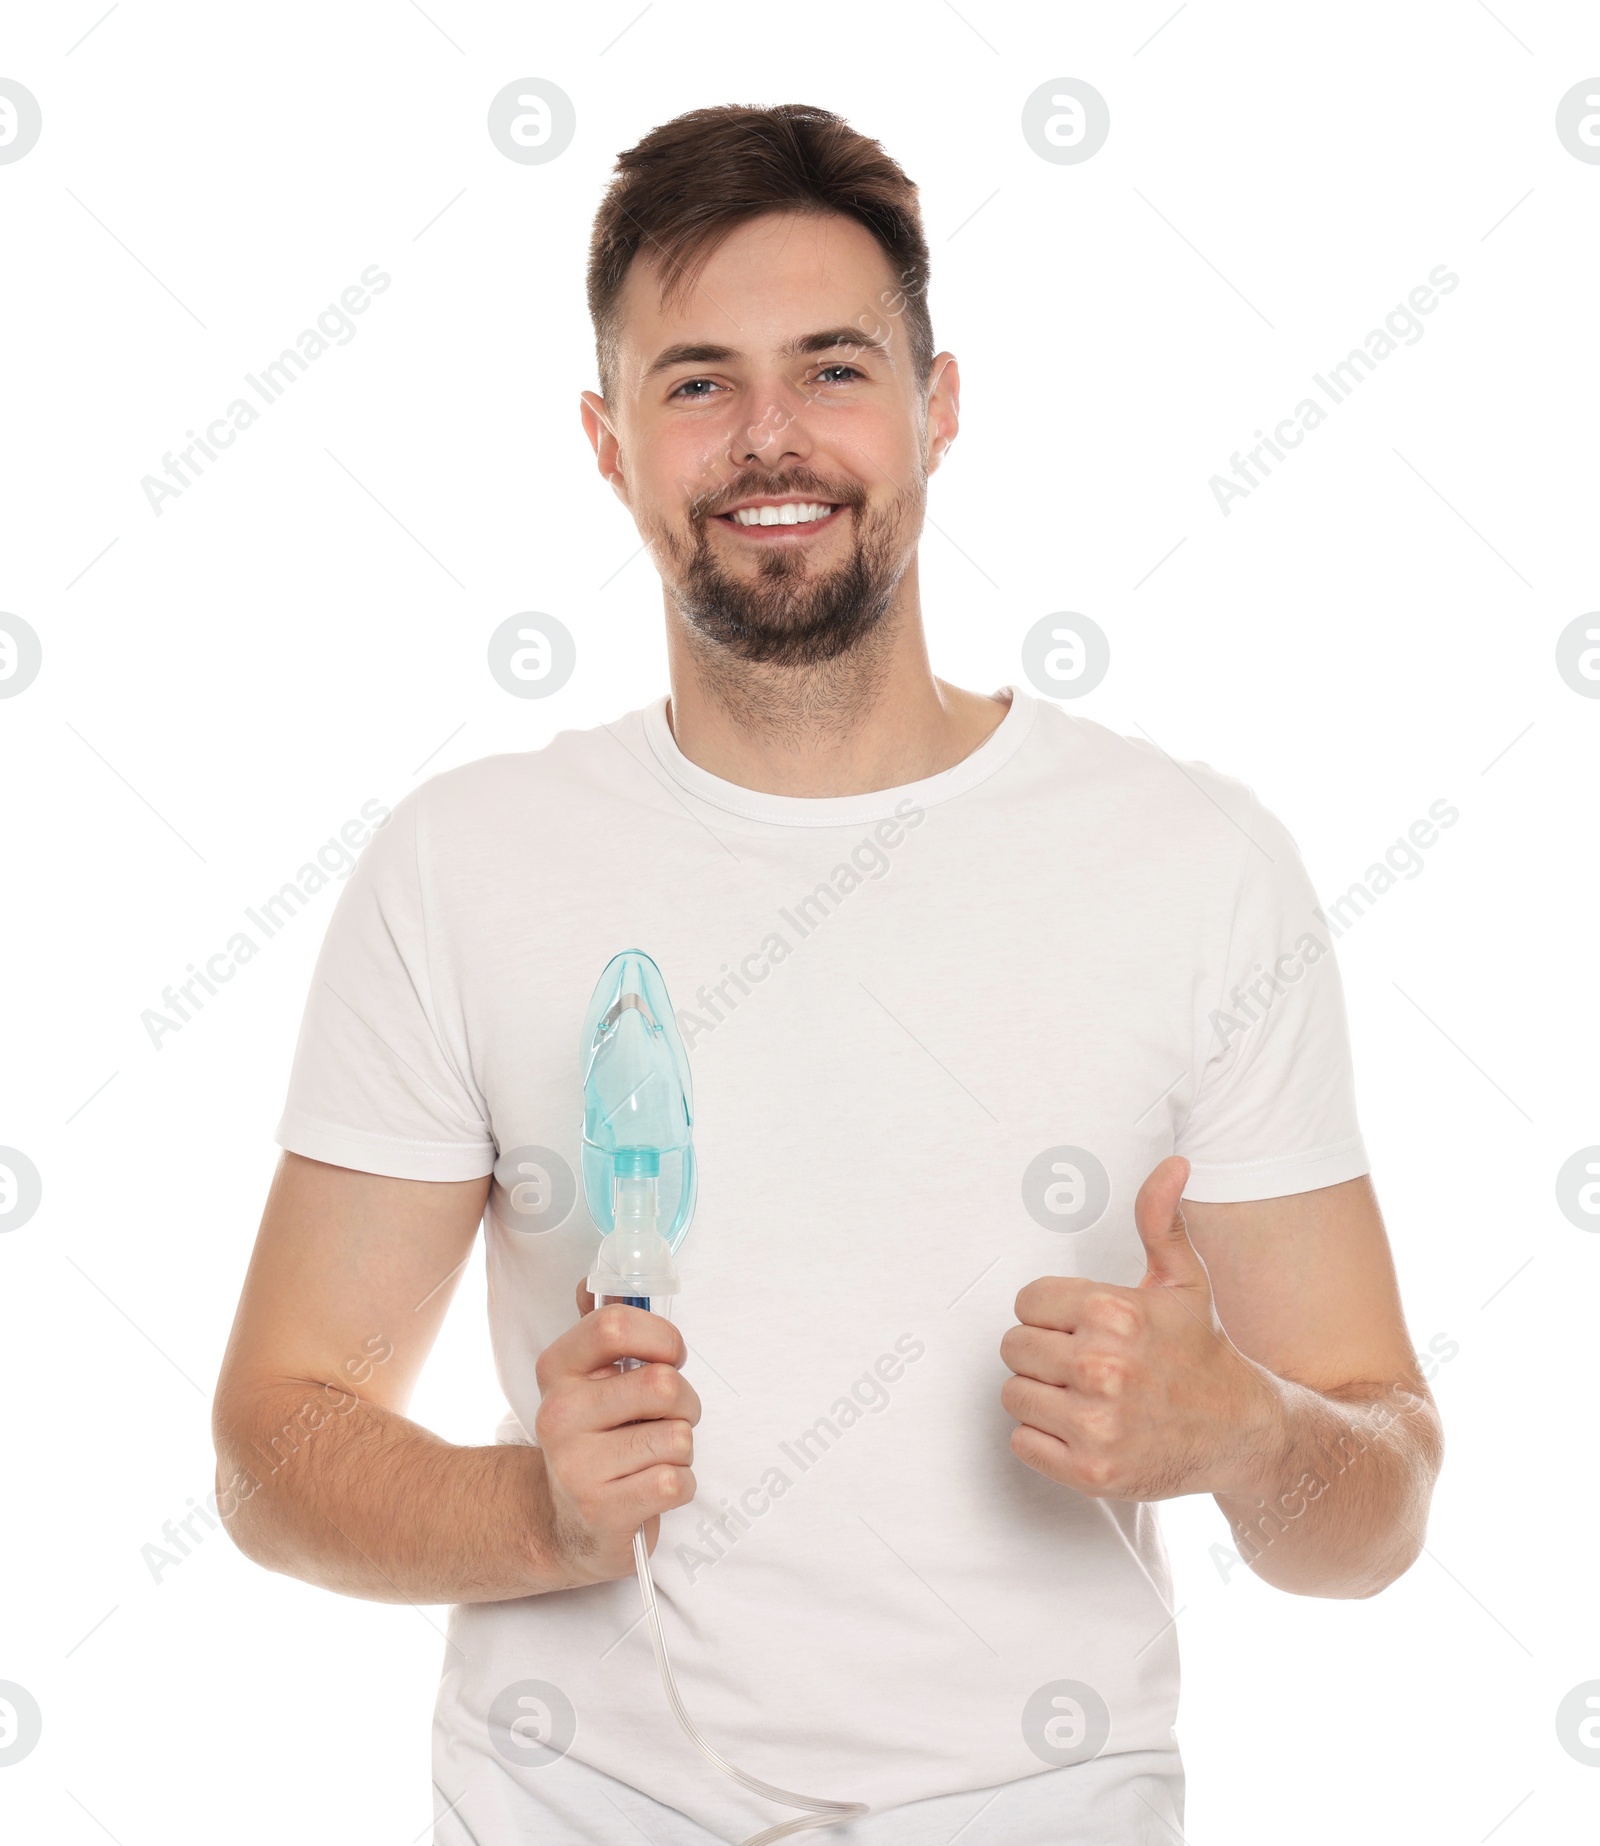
point(875, 717)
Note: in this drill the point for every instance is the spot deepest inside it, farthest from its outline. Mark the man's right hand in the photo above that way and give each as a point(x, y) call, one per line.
point(616, 1444)
point(322, 1475)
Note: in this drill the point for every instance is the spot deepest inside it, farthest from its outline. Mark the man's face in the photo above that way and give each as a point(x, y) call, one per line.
point(783, 379)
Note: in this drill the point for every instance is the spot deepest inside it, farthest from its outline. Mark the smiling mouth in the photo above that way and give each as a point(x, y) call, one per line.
point(789, 519)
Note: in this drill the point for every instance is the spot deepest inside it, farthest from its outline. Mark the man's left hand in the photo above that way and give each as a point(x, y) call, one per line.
point(1138, 1393)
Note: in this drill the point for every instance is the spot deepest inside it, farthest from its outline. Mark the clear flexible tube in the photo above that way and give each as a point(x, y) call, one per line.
point(826, 1813)
point(823, 1814)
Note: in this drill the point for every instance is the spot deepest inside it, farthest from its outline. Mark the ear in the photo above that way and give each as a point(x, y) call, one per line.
point(601, 431)
point(943, 416)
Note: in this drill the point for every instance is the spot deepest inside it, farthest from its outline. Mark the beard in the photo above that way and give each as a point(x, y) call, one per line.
point(792, 612)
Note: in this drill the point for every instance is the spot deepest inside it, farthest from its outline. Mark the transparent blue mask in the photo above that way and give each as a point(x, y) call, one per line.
point(638, 1103)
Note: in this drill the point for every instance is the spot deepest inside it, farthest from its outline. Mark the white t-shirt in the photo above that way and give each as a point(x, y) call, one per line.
point(939, 1035)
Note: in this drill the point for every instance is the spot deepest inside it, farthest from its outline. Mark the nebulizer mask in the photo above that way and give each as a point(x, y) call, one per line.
point(639, 1180)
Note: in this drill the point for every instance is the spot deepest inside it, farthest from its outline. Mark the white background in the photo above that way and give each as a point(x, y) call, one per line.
point(1370, 631)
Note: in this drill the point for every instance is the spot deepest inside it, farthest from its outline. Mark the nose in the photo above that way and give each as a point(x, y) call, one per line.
point(775, 435)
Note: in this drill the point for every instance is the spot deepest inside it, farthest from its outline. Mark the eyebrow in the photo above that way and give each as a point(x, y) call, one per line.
point(699, 352)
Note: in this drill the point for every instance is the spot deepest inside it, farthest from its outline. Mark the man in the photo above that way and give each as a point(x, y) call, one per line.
point(1032, 1187)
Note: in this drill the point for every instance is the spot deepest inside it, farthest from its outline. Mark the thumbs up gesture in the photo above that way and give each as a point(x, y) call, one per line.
point(1138, 1393)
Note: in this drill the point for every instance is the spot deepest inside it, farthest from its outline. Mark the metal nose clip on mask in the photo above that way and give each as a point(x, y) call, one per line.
point(639, 1180)
point(638, 1110)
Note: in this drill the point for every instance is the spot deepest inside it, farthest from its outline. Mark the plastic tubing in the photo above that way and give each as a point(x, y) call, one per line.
point(823, 1814)
point(820, 1813)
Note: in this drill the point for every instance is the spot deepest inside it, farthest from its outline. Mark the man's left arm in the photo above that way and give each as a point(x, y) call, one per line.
point(1263, 1359)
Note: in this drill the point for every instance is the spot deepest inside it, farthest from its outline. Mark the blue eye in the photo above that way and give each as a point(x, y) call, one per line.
point(684, 390)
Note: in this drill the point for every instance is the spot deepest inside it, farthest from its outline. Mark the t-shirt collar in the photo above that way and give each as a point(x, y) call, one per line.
point(841, 810)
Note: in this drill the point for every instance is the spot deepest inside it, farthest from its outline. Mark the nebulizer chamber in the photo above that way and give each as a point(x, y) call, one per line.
point(639, 1178)
point(638, 1157)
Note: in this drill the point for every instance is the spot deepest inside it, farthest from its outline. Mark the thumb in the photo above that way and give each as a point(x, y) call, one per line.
point(1170, 1257)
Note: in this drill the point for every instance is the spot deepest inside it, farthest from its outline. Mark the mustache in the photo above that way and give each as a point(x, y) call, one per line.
point(709, 505)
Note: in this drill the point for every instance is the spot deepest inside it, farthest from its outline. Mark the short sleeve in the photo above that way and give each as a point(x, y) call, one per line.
point(380, 1080)
point(1273, 1109)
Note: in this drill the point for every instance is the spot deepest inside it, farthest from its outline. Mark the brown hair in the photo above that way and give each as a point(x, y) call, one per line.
point(691, 181)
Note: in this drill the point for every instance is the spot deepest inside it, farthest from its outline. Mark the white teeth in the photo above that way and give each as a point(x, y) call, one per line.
point(791, 513)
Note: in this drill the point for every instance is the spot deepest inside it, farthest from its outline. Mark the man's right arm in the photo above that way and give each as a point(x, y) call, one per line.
point(322, 1476)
